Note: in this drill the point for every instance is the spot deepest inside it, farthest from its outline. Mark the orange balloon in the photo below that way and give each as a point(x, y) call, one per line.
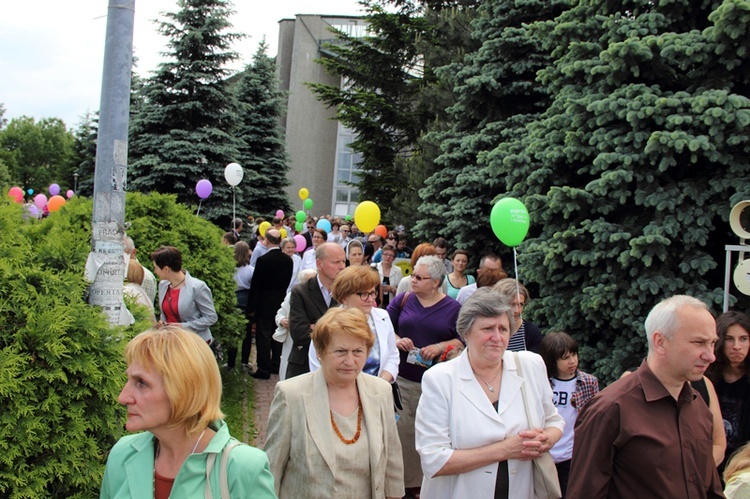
point(381, 231)
point(55, 203)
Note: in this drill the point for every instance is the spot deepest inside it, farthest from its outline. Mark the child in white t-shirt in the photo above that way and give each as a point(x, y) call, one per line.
point(571, 390)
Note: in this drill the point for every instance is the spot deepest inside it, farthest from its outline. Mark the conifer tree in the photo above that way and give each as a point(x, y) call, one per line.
point(496, 96)
point(262, 151)
point(85, 152)
point(630, 174)
point(184, 128)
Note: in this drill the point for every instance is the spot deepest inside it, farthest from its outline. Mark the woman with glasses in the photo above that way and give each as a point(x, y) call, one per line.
point(390, 274)
point(425, 323)
point(525, 335)
point(356, 287)
point(390, 239)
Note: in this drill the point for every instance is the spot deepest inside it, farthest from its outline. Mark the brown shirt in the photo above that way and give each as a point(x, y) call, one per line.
point(634, 440)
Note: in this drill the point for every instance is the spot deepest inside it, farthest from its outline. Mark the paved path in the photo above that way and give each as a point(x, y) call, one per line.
point(262, 395)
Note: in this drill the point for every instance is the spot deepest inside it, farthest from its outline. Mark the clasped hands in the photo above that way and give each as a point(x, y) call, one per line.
point(528, 444)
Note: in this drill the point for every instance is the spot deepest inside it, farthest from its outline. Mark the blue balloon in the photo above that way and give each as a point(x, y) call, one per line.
point(30, 191)
point(324, 224)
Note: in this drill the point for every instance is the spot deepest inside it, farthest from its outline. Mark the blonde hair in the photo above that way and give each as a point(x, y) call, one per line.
point(135, 272)
point(191, 376)
point(346, 320)
point(739, 462)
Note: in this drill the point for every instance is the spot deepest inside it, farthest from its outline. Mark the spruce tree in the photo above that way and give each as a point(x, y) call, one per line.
point(631, 172)
point(184, 128)
point(496, 96)
point(262, 151)
point(85, 152)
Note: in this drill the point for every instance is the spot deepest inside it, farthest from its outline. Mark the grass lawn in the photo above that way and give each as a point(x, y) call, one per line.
point(237, 404)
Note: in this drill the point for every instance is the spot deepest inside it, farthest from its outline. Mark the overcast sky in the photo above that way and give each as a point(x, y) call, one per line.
point(51, 51)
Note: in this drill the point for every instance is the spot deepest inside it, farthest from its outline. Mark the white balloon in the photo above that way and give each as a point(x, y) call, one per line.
point(233, 173)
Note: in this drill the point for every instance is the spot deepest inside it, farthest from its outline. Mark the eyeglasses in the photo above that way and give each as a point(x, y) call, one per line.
point(344, 230)
point(420, 278)
point(368, 295)
point(390, 238)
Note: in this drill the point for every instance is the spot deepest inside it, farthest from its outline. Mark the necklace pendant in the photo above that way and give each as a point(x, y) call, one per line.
point(489, 387)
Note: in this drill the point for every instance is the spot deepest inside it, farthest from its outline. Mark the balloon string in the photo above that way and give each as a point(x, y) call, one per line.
point(234, 214)
point(515, 268)
point(199, 208)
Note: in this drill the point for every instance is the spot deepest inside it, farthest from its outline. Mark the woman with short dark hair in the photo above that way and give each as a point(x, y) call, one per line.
point(184, 300)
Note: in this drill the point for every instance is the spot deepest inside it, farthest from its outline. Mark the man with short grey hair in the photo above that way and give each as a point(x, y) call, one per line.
point(309, 302)
point(650, 434)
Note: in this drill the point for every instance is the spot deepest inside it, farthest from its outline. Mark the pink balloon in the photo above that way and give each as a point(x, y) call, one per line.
point(301, 243)
point(16, 193)
point(54, 189)
point(203, 188)
point(40, 200)
point(70, 193)
point(280, 213)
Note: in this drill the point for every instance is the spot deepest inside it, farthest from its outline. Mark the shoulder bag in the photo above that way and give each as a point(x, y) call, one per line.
point(223, 479)
point(546, 481)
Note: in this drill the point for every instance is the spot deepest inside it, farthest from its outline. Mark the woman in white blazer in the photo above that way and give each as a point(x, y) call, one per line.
point(356, 287)
point(472, 433)
point(332, 433)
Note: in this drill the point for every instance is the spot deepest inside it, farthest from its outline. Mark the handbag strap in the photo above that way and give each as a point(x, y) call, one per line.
point(223, 479)
point(523, 388)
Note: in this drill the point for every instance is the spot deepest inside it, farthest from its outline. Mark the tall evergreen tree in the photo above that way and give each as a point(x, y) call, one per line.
point(85, 152)
point(184, 128)
point(392, 93)
point(632, 171)
point(496, 96)
point(262, 151)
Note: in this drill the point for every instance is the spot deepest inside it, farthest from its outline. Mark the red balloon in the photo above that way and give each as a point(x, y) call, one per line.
point(16, 193)
point(381, 231)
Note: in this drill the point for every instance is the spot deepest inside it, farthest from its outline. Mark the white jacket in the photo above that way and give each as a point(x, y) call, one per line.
point(455, 413)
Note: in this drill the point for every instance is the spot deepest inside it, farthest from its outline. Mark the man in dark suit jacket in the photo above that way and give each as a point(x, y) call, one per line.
point(309, 302)
point(273, 271)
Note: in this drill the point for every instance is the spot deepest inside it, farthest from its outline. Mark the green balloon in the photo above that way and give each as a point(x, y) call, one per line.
point(300, 216)
point(298, 226)
point(510, 221)
point(307, 203)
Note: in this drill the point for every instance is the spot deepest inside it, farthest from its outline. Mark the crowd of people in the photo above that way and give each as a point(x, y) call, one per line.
point(420, 380)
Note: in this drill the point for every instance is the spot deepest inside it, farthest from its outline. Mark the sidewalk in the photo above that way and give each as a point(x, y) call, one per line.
point(262, 396)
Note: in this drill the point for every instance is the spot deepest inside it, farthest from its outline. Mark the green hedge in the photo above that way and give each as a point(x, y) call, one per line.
point(61, 366)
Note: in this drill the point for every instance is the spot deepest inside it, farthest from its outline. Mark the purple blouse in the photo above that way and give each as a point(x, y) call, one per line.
point(423, 325)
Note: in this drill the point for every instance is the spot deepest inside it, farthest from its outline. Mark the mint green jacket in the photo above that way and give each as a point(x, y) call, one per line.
point(130, 470)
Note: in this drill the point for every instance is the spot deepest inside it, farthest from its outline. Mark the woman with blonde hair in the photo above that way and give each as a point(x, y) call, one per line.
point(737, 474)
point(183, 448)
point(133, 287)
point(332, 432)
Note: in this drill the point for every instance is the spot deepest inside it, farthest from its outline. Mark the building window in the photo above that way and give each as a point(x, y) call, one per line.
point(346, 196)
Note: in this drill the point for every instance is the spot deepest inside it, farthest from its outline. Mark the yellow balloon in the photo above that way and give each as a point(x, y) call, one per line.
point(367, 216)
point(304, 193)
point(283, 233)
point(262, 228)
